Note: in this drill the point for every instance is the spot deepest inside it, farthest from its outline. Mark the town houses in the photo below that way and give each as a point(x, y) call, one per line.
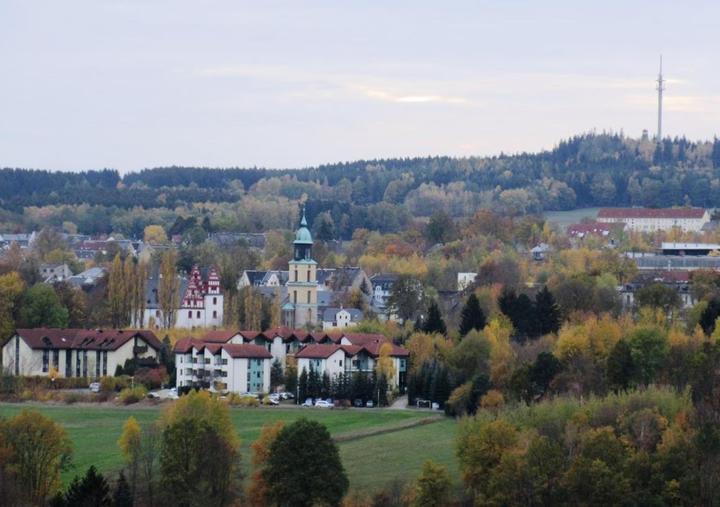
point(660, 219)
point(240, 361)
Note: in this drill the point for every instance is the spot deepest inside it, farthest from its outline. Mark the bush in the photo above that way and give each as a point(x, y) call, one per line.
point(132, 395)
point(235, 400)
point(107, 384)
point(152, 378)
point(71, 398)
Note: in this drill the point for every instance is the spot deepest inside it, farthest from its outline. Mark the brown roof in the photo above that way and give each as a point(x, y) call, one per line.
point(365, 338)
point(672, 213)
point(85, 339)
point(219, 335)
point(246, 350)
point(315, 351)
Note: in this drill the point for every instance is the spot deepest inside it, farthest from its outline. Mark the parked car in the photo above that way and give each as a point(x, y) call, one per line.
point(95, 387)
point(423, 403)
point(308, 402)
point(173, 394)
point(153, 396)
point(287, 396)
point(358, 403)
point(324, 404)
point(273, 400)
point(369, 404)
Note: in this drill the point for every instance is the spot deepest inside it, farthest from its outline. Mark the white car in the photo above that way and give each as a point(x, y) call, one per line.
point(323, 404)
point(95, 387)
point(308, 402)
point(173, 394)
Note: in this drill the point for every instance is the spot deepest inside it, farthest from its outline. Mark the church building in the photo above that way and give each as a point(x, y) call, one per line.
point(301, 308)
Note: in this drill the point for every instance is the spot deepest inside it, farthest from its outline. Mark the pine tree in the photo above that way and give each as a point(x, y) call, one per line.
point(92, 489)
point(434, 322)
point(547, 312)
point(122, 496)
point(620, 367)
point(303, 386)
point(472, 316)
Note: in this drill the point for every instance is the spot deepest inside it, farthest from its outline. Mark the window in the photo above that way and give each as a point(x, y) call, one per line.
point(98, 359)
point(181, 359)
point(104, 363)
point(46, 360)
point(294, 296)
point(56, 359)
point(296, 276)
point(308, 274)
point(78, 363)
point(308, 297)
point(189, 314)
point(85, 370)
point(198, 314)
point(214, 301)
point(157, 313)
point(214, 314)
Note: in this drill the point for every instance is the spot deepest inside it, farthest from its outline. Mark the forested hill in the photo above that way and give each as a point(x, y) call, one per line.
point(587, 170)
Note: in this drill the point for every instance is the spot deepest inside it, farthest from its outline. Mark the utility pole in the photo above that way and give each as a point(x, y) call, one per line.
point(660, 88)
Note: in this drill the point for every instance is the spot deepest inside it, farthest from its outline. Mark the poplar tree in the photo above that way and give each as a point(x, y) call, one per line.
point(169, 288)
point(117, 293)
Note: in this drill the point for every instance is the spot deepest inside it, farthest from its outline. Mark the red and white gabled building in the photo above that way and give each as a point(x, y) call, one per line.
point(200, 302)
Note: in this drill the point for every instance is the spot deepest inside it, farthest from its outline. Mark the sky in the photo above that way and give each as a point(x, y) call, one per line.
point(131, 84)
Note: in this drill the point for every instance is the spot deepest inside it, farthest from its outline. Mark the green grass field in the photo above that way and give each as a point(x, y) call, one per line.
point(371, 461)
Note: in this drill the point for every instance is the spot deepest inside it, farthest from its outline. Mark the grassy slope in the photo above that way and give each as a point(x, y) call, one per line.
point(371, 461)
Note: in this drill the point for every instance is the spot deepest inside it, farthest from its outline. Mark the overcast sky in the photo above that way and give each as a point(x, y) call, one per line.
point(130, 84)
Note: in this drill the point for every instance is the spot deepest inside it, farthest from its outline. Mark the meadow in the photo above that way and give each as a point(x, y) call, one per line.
point(376, 446)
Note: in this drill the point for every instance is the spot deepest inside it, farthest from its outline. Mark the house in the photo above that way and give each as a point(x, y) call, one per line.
point(540, 252)
point(224, 239)
point(200, 301)
point(661, 219)
point(465, 280)
point(51, 273)
point(88, 278)
point(340, 318)
point(257, 278)
point(23, 240)
point(382, 285)
point(89, 353)
point(353, 353)
point(680, 281)
point(587, 229)
point(234, 367)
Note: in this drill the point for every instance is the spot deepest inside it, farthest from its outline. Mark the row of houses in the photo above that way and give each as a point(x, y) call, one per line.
point(240, 361)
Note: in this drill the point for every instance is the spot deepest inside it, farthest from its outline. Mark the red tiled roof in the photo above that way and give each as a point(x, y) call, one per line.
point(365, 338)
point(315, 351)
point(219, 335)
point(589, 228)
point(671, 213)
point(374, 349)
point(246, 350)
point(85, 339)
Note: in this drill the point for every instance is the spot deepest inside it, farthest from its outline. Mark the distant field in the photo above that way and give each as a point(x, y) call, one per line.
point(564, 218)
point(371, 461)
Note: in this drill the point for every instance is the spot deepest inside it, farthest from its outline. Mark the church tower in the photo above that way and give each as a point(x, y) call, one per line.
point(302, 307)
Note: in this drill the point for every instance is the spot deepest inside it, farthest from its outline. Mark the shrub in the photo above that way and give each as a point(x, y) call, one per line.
point(107, 384)
point(131, 395)
point(152, 378)
point(71, 398)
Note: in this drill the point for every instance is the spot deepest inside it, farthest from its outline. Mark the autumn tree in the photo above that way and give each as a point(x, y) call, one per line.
point(200, 452)
point(258, 492)
point(155, 235)
point(301, 446)
point(407, 297)
point(11, 290)
point(433, 486)
point(385, 365)
point(39, 450)
point(130, 443)
point(117, 293)
point(168, 289)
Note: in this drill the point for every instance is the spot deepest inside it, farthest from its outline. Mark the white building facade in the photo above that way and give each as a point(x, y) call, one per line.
point(662, 219)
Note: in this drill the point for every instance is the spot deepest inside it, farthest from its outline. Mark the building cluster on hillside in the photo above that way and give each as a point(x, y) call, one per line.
point(240, 361)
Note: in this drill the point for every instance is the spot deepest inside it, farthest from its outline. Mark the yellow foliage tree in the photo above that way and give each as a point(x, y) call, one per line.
point(502, 355)
point(385, 364)
point(155, 234)
point(258, 490)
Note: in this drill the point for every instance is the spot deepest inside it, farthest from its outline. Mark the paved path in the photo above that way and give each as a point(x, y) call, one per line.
point(400, 403)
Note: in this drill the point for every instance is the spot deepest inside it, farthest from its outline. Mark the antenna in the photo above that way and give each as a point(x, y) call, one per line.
point(660, 88)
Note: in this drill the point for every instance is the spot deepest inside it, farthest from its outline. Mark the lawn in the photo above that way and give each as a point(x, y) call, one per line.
point(370, 461)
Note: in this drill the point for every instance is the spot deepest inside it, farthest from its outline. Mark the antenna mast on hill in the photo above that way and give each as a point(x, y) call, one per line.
point(660, 88)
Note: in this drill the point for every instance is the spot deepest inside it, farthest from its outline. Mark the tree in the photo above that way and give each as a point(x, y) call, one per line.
point(39, 450)
point(276, 375)
point(169, 289)
point(620, 367)
point(155, 234)
point(547, 312)
point(710, 316)
point(434, 322)
point(130, 445)
point(291, 378)
point(199, 456)
point(433, 486)
point(303, 386)
point(11, 290)
point(472, 316)
point(259, 490)
point(385, 364)
point(41, 307)
point(406, 298)
point(649, 349)
point(74, 300)
point(122, 496)
point(440, 228)
point(90, 491)
point(117, 293)
point(658, 295)
point(305, 445)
